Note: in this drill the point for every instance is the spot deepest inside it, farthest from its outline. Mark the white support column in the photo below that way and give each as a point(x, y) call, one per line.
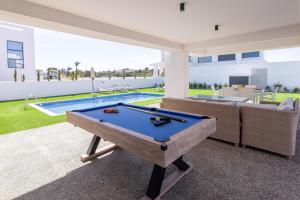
point(176, 73)
point(238, 58)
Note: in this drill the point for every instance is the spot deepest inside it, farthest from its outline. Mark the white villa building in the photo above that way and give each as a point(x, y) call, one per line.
point(16, 52)
point(245, 68)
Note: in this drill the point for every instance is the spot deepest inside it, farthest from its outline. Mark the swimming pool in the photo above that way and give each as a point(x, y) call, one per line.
point(61, 107)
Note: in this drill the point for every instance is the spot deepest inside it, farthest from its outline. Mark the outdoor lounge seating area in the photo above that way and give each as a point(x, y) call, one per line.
point(251, 92)
point(264, 126)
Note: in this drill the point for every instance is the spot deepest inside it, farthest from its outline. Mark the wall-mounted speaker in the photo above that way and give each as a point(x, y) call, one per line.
point(182, 7)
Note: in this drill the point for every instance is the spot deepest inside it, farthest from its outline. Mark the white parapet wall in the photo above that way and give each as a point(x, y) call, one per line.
point(20, 90)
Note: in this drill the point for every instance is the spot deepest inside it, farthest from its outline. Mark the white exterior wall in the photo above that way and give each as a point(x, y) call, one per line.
point(18, 34)
point(287, 73)
point(20, 90)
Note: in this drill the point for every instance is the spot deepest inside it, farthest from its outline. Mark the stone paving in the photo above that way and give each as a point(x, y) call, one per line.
point(44, 164)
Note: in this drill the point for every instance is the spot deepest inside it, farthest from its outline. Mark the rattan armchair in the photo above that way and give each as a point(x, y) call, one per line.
point(271, 130)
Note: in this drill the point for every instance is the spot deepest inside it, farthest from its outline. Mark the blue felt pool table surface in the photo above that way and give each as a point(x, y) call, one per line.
point(140, 122)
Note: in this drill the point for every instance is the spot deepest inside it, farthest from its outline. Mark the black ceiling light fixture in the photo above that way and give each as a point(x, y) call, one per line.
point(217, 27)
point(182, 6)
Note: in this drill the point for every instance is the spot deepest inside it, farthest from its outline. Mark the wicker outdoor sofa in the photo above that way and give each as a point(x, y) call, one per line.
point(269, 129)
point(227, 114)
point(260, 126)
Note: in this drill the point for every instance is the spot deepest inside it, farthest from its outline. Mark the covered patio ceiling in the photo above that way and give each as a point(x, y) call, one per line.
point(244, 25)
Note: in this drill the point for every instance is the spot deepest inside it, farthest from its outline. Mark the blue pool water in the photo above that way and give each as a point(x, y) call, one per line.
point(60, 107)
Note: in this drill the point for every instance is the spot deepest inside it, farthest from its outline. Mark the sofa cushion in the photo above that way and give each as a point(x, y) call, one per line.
point(287, 104)
point(252, 105)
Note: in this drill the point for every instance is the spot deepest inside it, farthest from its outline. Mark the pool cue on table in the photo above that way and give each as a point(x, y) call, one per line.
point(157, 114)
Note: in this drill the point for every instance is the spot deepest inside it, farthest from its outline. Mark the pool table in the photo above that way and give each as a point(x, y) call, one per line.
point(132, 129)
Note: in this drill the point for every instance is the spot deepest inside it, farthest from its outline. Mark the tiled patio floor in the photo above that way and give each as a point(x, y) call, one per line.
point(44, 164)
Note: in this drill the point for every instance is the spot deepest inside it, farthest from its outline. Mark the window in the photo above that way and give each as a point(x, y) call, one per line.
point(253, 54)
point(15, 55)
point(226, 57)
point(205, 59)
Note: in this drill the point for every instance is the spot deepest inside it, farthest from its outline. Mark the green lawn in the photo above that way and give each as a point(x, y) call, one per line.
point(13, 116)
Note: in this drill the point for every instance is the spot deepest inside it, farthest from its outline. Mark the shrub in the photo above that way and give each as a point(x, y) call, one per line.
point(268, 88)
point(204, 86)
point(200, 85)
point(216, 86)
point(285, 89)
point(190, 85)
point(220, 86)
point(296, 90)
point(277, 84)
point(226, 85)
point(194, 85)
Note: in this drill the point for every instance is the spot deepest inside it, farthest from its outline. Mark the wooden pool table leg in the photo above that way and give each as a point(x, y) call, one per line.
point(156, 181)
point(159, 184)
point(92, 152)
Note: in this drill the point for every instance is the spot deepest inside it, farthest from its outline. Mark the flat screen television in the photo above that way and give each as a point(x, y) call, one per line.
point(238, 80)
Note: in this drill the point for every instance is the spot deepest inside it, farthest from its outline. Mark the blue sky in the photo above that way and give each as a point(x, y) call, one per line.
point(56, 49)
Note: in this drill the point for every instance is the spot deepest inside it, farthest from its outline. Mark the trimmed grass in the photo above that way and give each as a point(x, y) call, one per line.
point(13, 116)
